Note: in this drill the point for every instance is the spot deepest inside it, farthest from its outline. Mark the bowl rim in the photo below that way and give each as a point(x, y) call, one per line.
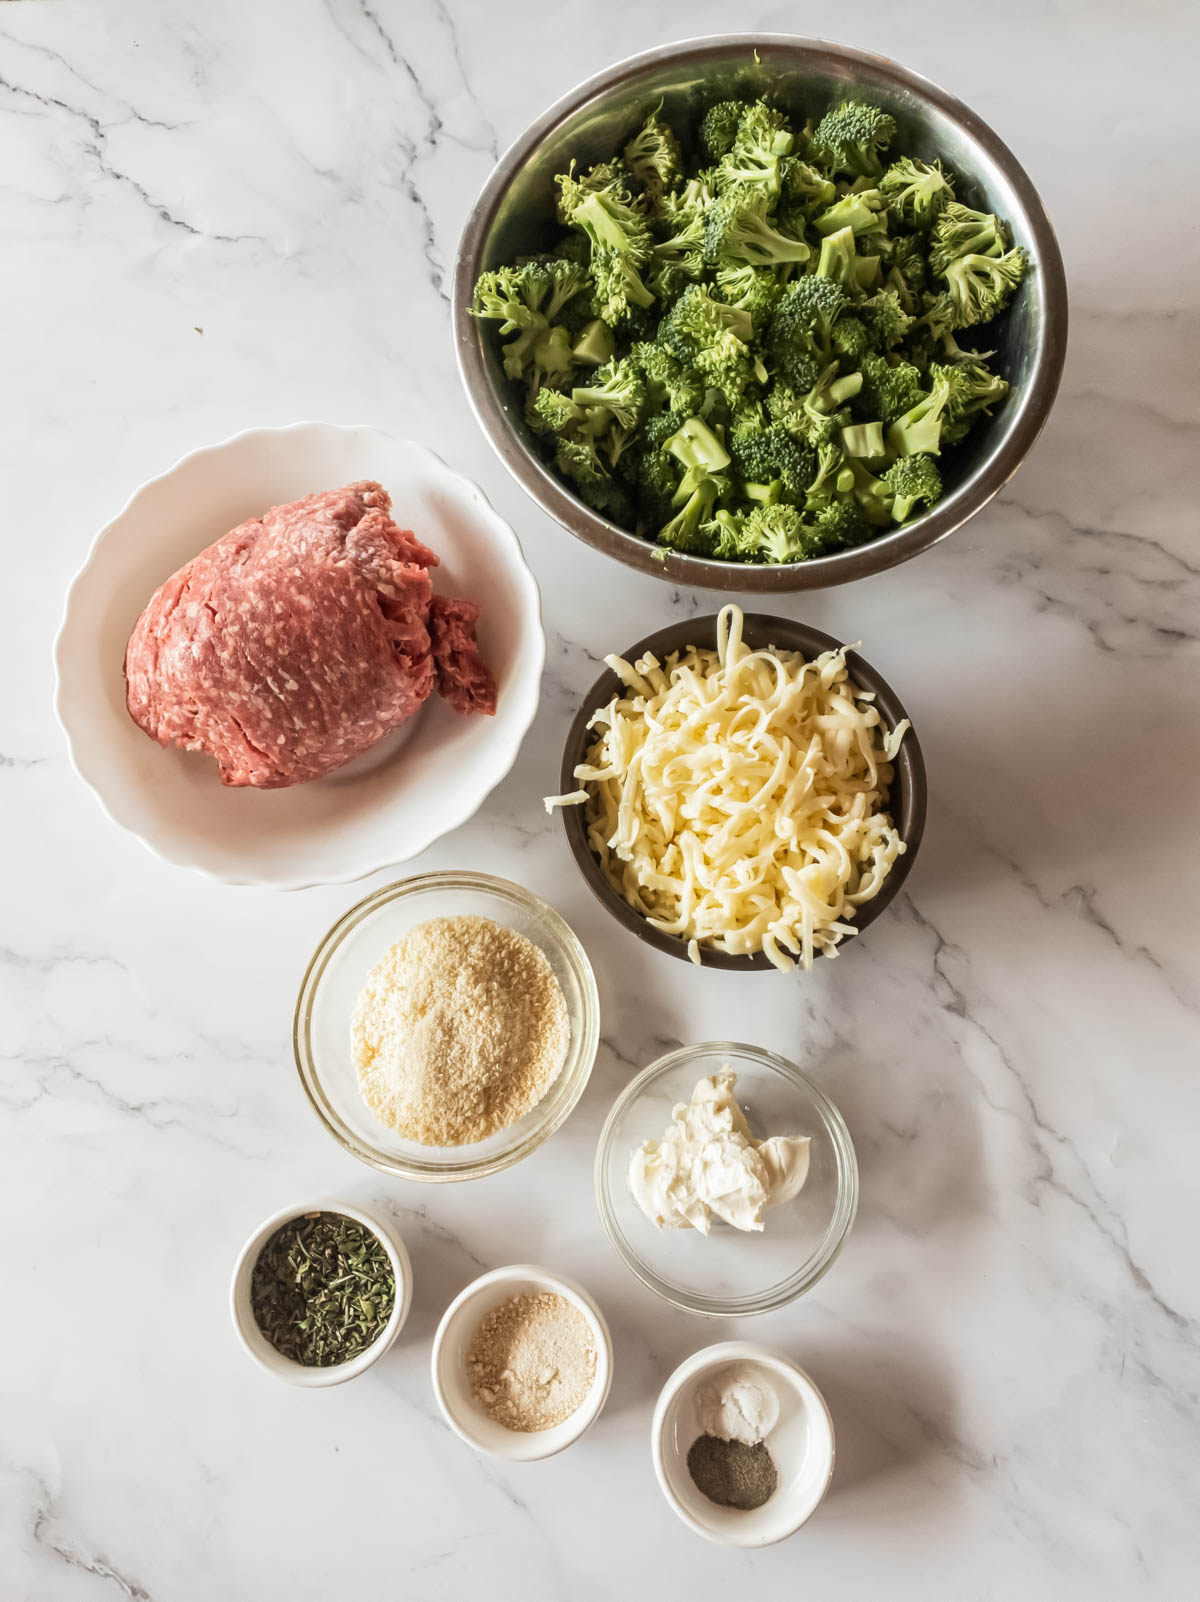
point(585, 1414)
point(255, 1344)
point(910, 779)
point(400, 889)
point(675, 567)
point(845, 1207)
point(92, 775)
point(718, 1355)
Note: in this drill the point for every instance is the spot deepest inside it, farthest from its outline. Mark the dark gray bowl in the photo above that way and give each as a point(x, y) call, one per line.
point(515, 211)
point(906, 802)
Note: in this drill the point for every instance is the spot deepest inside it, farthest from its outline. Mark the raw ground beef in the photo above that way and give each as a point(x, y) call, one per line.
point(299, 639)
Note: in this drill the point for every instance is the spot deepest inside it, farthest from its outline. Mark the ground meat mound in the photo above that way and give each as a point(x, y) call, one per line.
point(299, 639)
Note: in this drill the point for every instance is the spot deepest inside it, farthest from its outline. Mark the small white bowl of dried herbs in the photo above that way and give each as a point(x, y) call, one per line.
point(320, 1292)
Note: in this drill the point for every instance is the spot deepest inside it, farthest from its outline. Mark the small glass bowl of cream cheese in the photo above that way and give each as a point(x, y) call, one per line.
point(729, 1271)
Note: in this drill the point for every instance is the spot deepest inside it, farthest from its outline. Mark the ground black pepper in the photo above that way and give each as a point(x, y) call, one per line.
point(731, 1473)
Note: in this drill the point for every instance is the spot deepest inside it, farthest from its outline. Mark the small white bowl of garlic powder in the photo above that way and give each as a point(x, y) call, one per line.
point(522, 1363)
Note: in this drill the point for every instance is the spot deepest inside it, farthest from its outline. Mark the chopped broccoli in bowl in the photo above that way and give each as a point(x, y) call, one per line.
point(742, 341)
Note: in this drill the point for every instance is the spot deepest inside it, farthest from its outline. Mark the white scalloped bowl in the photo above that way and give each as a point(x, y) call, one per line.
point(389, 804)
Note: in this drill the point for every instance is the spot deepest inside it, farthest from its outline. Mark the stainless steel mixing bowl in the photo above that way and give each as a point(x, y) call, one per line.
point(514, 215)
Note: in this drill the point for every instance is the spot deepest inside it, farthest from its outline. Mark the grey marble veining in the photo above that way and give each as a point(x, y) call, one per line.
point(239, 214)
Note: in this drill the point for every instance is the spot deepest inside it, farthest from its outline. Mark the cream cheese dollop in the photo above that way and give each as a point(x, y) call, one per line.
point(708, 1165)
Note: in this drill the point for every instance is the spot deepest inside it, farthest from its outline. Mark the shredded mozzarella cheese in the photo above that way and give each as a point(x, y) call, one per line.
point(738, 798)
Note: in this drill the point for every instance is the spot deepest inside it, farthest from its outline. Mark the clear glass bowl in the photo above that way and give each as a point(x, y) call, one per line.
point(730, 1273)
point(335, 977)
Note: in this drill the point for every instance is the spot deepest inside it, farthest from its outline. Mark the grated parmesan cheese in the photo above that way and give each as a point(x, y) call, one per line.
point(738, 798)
point(460, 1029)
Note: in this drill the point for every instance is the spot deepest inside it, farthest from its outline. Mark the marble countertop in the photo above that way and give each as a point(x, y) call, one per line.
point(226, 215)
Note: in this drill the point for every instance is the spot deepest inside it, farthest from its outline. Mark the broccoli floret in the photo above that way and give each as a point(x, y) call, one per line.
point(697, 447)
point(816, 415)
point(749, 411)
point(920, 428)
point(763, 139)
point(615, 441)
point(701, 486)
point(852, 339)
point(619, 391)
point(764, 455)
point(525, 300)
point(519, 295)
point(850, 137)
point(547, 360)
point(860, 212)
point(961, 231)
point(697, 319)
point(687, 531)
point(579, 461)
point(704, 459)
point(656, 431)
point(737, 230)
point(938, 320)
point(712, 338)
point(912, 480)
point(886, 319)
point(681, 226)
point(979, 287)
point(750, 289)
point(690, 201)
point(889, 388)
point(833, 477)
point(619, 287)
point(652, 156)
point(670, 382)
point(974, 389)
point(600, 205)
point(768, 533)
point(916, 193)
point(838, 260)
point(785, 404)
point(871, 493)
point(906, 272)
point(842, 524)
point(719, 127)
point(506, 296)
point(803, 187)
point(667, 280)
point(801, 327)
point(552, 412)
point(653, 477)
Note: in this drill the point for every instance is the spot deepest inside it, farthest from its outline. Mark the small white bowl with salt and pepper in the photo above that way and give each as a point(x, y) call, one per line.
point(745, 1393)
point(494, 1302)
point(255, 1344)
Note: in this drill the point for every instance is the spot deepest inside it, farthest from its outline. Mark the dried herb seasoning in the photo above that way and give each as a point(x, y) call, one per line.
point(322, 1289)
